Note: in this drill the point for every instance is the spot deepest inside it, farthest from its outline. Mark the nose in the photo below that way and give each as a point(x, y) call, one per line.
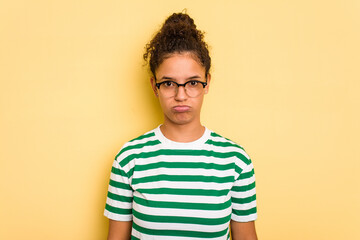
point(180, 93)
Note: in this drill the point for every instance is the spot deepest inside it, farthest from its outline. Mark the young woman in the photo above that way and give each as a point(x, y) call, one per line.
point(181, 180)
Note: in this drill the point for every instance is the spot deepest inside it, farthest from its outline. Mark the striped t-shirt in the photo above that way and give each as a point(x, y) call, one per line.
point(173, 190)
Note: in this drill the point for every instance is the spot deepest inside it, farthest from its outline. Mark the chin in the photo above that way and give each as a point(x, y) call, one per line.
point(181, 120)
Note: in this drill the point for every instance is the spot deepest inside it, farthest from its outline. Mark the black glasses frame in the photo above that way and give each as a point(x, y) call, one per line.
point(179, 85)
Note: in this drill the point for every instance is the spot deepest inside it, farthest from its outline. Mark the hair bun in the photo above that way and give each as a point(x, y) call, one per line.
point(180, 18)
point(177, 34)
point(180, 25)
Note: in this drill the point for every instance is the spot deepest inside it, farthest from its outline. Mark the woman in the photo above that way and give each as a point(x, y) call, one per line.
point(181, 180)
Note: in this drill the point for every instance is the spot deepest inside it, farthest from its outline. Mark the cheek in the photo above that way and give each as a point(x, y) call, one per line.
point(164, 104)
point(199, 102)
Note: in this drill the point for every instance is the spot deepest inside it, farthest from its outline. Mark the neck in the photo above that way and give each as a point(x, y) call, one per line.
point(182, 133)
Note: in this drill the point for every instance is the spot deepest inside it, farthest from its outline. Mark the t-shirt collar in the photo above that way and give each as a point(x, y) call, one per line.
point(192, 144)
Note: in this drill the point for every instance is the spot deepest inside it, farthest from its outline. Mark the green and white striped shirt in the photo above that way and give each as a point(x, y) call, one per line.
point(173, 190)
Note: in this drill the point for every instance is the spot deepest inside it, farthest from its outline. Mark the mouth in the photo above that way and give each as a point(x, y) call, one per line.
point(181, 108)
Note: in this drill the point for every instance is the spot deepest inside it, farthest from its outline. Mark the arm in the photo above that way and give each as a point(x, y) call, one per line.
point(243, 230)
point(119, 230)
point(119, 204)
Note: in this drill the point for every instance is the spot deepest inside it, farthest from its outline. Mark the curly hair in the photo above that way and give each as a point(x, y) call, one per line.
point(178, 34)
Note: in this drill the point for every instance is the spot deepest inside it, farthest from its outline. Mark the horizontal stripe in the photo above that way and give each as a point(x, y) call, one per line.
point(243, 188)
point(244, 206)
point(247, 218)
point(182, 178)
point(222, 144)
point(202, 165)
point(244, 212)
point(118, 171)
point(185, 159)
point(218, 149)
point(243, 200)
point(147, 135)
point(187, 171)
point(244, 182)
point(181, 226)
point(184, 185)
point(181, 212)
point(173, 232)
point(135, 233)
point(138, 146)
point(118, 210)
point(119, 185)
point(119, 197)
point(180, 219)
point(214, 134)
point(243, 195)
point(190, 199)
point(118, 217)
point(201, 192)
point(182, 205)
point(184, 152)
point(245, 175)
point(118, 204)
point(124, 192)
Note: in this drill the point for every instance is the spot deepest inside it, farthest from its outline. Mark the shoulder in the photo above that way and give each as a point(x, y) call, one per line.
point(218, 140)
point(136, 146)
point(229, 147)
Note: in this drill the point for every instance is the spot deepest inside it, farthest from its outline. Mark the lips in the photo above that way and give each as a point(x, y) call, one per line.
point(181, 108)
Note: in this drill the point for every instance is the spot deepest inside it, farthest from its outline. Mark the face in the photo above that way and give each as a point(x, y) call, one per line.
point(180, 109)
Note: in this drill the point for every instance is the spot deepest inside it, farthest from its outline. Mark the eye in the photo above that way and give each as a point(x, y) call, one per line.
point(193, 83)
point(168, 84)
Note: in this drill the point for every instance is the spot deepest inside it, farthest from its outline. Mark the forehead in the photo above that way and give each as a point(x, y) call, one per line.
point(180, 66)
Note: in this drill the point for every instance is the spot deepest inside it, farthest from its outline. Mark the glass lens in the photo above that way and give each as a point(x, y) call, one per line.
point(168, 89)
point(193, 88)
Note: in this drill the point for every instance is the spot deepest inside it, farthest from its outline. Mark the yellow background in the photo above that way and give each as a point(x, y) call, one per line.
point(285, 85)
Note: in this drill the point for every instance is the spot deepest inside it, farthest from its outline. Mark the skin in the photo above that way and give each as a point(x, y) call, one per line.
point(181, 124)
point(243, 230)
point(119, 230)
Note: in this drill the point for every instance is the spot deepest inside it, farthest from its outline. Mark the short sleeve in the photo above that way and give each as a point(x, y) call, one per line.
point(243, 196)
point(120, 195)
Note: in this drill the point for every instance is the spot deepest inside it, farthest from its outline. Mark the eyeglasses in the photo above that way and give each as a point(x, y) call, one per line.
point(193, 88)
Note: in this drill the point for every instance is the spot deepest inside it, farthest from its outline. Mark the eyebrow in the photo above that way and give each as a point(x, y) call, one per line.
point(170, 78)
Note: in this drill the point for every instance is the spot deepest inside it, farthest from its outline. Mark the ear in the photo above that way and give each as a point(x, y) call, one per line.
point(208, 83)
point(153, 86)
